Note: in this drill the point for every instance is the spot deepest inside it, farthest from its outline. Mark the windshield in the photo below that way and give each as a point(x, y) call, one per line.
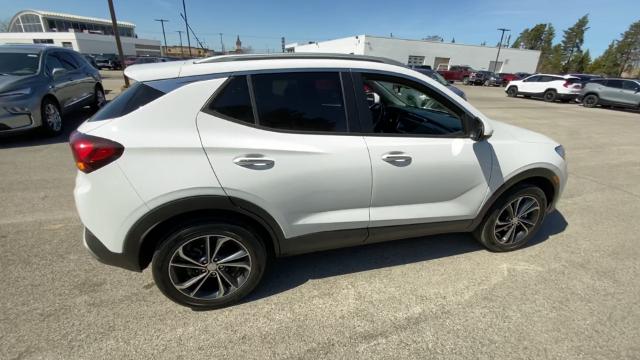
point(19, 63)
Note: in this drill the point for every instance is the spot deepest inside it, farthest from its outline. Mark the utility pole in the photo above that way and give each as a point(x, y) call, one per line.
point(162, 21)
point(221, 43)
point(114, 24)
point(495, 64)
point(186, 25)
point(181, 49)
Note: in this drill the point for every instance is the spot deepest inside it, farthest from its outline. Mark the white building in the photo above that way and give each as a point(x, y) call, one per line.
point(84, 34)
point(438, 55)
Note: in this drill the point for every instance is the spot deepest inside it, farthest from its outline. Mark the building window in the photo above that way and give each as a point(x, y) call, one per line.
point(43, 41)
point(415, 60)
point(67, 44)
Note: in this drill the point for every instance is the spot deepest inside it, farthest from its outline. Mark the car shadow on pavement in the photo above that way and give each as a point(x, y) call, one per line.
point(291, 272)
point(34, 137)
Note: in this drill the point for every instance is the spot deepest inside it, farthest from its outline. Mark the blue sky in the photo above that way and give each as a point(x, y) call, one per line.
point(260, 24)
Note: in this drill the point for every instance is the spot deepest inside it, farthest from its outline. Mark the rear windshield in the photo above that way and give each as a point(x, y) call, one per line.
point(131, 99)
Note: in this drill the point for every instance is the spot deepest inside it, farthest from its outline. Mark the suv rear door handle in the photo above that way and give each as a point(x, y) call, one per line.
point(255, 162)
point(397, 158)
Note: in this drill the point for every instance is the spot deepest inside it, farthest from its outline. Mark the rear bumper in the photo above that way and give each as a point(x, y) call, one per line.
point(100, 252)
point(568, 96)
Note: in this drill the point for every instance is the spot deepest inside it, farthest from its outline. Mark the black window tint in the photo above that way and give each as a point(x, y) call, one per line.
point(53, 63)
point(300, 101)
point(234, 101)
point(79, 59)
point(630, 85)
point(131, 99)
point(67, 61)
point(533, 79)
point(598, 81)
point(614, 84)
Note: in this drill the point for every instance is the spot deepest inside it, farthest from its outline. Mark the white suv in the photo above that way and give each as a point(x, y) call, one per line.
point(549, 87)
point(209, 169)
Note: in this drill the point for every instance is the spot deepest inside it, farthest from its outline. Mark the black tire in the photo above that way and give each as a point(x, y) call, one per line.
point(550, 95)
point(164, 276)
point(512, 91)
point(590, 101)
point(487, 83)
point(49, 110)
point(98, 98)
point(527, 96)
point(488, 232)
point(465, 80)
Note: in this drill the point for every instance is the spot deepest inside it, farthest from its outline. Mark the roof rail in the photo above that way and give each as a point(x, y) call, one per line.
point(247, 57)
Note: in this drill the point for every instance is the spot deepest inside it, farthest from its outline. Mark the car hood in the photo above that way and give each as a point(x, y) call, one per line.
point(503, 131)
point(9, 82)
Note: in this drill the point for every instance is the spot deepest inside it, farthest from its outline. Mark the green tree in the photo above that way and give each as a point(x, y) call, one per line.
point(583, 62)
point(546, 47)
point(553, 64)
point(608, 63)
point(571, 44)
point(628, 49)
point(520, 39)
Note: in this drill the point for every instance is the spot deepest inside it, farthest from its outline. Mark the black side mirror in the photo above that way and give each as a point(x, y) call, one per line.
point(476, 129)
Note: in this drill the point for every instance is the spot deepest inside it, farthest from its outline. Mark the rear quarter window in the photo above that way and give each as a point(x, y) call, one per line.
point(130, 100)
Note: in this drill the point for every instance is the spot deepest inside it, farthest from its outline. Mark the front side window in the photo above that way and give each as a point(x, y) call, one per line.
point(532, 79)
point(233, 101)
point(305, 101)
point(398, 106)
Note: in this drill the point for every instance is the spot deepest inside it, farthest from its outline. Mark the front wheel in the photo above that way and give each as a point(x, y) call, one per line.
point(550, 95)
point(98, 98)
point(51, 118)
point(512, 91)
point(209, 266)
point(590, 101)
point(513, 220)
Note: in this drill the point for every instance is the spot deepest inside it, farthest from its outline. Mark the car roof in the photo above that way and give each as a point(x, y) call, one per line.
point(24, 48)
point(253, 62)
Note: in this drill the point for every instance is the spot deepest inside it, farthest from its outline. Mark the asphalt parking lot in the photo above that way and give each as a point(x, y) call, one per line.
point(573, 293)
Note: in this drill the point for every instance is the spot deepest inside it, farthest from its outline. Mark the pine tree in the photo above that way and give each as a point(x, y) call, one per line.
point(583, 62)
point(546, 47)
point(608, 63)
point(453, 40)
point(628, 49)
point(572, 42)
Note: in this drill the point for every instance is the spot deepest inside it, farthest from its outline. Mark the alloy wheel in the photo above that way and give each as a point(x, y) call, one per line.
point(209, 267)
point(516, 220)
point(52, 117)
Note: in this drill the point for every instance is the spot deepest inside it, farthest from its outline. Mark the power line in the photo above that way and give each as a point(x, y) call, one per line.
point(162, 21)
point(186, 23)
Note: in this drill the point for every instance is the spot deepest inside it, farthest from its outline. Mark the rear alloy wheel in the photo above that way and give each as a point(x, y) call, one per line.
point(51, 118)
point(590, 101)
point(550, 95)
point(465, 81)
point(514, 219)
point(98, 98)
point(209, 266)
point(512, 91)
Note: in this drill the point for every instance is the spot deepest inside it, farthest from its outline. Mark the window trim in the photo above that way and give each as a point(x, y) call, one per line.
point(465, 116)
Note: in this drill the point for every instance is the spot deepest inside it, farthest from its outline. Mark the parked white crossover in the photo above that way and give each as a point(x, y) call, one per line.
point(548, 87)
point(209, 169)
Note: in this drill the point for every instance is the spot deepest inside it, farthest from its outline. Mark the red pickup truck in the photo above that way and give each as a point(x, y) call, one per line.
point(457, 73)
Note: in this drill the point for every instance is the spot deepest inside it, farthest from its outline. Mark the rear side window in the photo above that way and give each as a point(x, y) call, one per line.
point(614, 84)
point(233, 101)
point(630, 85)
point(68, 62)
point(139, 94)
point(310, 101)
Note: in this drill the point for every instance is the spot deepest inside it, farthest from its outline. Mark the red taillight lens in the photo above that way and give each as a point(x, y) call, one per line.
point(92, 152)
point(566, 84)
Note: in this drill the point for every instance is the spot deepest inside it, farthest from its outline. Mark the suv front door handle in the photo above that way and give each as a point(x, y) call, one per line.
point(397, 158)
point(254, 162)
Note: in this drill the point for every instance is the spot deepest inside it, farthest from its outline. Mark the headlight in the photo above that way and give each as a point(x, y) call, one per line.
point(560, 151)
point(25, 91)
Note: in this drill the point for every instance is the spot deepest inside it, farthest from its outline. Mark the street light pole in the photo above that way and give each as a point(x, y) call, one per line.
point(116, 32)
point(495, 64)
point(186, 25)
point(221, 44)
point(181, 49)
point(162, 21)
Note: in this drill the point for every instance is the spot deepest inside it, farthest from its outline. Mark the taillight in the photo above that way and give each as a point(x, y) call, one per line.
point(566, 84)
point(92, 152)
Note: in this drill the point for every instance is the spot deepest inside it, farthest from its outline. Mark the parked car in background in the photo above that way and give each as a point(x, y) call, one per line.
point(585, 78)
point(91, 60)
point(150, 60)
point(486, 78)
point(549, 87)
point(611, 92)
point(457, 73)
point(108, 61)
point(437, 77)
point(521, 75)
point(506, 77)
point(417, 161)
point(39, 84)
point(129, 60)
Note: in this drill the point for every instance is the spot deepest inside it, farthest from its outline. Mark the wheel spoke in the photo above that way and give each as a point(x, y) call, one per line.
point(191, 281)
point(238, 264)
point(207, 240)
point(531, 209)
point(185, 257)
point(227, 278)
point(510, 210)
point(219, 242)
point(235, 256)
point(188, 266)
point(199, 285)
point(527, 222)
point(507, 237)
point(526, 229)
point(221, 291)
point(526, 207)
point(504, 227)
